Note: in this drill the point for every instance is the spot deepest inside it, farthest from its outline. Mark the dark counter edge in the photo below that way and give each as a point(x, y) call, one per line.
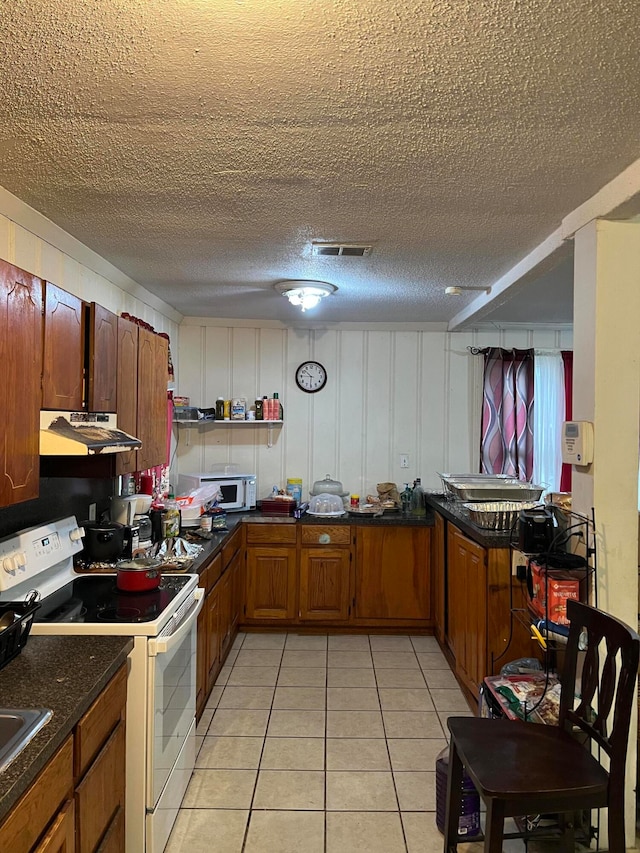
point(65, 674)
point(456, 513)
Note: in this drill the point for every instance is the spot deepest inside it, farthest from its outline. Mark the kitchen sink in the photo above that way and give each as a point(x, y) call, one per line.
point(17, 728)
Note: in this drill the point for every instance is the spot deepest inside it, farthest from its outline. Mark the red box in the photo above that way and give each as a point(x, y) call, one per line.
point(559, 585)
point(278, 507)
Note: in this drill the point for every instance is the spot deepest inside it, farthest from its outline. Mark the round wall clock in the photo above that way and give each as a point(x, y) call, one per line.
point(311, 376)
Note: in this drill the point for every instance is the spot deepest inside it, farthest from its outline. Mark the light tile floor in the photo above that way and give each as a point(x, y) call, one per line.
point(321, 744)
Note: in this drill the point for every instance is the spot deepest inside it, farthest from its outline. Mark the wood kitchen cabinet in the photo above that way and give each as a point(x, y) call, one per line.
point(127, 391)
point(324, 575)
point(218, 619)
point(392, 575)
point(153, 371)
point(21, 359)
point(467, 628)
point(102, 359)
point(271, 572)
point(63, 352)
point(438, 576)
point(76, 805)
point(480, 632)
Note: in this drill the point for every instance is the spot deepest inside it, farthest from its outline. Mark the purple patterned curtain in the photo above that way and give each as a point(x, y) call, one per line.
point(507, 413)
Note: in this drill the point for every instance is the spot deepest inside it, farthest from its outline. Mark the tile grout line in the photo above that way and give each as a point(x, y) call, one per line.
point(264, 741)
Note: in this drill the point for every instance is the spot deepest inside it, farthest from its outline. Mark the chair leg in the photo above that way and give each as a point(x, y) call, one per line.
point(494, 828)
point(615, 824)
point(454, 800)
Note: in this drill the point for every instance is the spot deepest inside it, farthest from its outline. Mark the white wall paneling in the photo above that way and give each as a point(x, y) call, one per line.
point(388, 392)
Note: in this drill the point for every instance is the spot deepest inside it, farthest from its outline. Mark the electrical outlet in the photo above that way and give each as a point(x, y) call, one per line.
point(404, 460)
point(92, 512)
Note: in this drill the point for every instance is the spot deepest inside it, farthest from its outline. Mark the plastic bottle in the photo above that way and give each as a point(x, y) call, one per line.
point(469, 821)
point(260, 410)
point(278, 414)
point(405, 499)
point(171, 519)
point(417, 498)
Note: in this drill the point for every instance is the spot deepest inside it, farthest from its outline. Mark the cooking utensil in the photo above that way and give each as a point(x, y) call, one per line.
point(103, 540)
point(496, 515)
point(139, 575)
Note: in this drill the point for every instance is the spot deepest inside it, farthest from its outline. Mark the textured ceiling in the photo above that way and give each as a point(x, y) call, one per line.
point(201, 145)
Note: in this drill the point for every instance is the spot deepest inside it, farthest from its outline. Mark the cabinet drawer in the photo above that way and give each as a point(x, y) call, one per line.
point(29, 818)
point(325, 534)
point(282, 534)
point(230, 547)
point(99, 721)
point(61, 835)
point(101, 793)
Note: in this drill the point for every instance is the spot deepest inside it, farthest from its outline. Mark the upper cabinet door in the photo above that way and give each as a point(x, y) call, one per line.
point(63, 363)
point(103, 359)
point(152, 399)
point(21, 359)
point(127, 405)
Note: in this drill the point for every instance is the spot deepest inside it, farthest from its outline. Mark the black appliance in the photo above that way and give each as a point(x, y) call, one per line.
point(536, 530)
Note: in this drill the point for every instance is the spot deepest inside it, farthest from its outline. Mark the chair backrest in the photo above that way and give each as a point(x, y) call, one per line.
point(606, 686)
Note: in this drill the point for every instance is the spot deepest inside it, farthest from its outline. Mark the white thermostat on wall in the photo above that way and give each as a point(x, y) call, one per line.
point(577, 442)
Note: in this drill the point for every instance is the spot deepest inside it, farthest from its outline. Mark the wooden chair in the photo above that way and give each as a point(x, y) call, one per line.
point(524, 768)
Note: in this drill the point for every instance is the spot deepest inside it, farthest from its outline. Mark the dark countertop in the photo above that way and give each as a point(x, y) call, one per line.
point(390, 519)
point(454, 511)
point(65, 674)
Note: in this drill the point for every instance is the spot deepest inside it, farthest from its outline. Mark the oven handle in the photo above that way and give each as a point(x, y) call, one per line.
point(166, 644)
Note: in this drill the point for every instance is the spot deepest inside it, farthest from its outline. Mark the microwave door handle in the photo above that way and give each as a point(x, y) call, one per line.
point(162, 645)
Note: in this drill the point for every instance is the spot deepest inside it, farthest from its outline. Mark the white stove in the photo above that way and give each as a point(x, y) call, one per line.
point(162, 684)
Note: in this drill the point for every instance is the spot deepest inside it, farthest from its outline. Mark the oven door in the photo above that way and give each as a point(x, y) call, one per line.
point(171, 699)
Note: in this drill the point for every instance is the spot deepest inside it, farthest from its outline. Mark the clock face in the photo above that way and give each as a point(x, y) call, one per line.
point(311, 376)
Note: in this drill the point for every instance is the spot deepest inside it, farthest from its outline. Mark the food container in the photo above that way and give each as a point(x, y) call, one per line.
point(181, 401)
point(278, 506)
point(475, 479)
point(326, 504)
point(139, 575)
point(496, 515)
point(103, 541)
point(506, 490)
point(328, 487)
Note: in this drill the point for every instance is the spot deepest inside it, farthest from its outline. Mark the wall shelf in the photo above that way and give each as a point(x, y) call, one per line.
point(202, 422)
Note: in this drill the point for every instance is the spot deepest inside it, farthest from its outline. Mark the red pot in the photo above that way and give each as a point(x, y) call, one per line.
point(134, 577)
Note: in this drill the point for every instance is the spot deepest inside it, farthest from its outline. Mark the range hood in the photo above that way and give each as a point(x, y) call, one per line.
point(83, 434)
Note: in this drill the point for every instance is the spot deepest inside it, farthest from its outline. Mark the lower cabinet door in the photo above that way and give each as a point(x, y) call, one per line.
point(324, 584)
point(101, 792)
point(271, 583)
point(61, 835)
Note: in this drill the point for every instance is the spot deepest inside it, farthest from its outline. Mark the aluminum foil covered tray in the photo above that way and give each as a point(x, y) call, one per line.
point(488, 487)
point(497, 515)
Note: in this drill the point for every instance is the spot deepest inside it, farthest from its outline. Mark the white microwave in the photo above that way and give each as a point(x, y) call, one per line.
point(238, 490)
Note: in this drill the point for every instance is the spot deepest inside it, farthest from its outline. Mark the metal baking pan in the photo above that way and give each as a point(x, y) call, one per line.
point(497, 515)
point(473, 479)
point(506, 490)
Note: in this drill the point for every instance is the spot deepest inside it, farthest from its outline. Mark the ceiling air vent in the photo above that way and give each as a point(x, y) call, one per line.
point(341, 249)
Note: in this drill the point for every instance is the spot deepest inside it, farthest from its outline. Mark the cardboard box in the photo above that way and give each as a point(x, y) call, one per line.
point(559, 586)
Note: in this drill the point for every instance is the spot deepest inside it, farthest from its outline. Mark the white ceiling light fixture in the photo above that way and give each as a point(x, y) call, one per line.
point(305, 294)
point(458, 291)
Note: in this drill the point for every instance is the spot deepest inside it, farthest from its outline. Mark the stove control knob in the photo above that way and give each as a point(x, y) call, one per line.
point(9, 565)
point(21, 560)
point(76, 534)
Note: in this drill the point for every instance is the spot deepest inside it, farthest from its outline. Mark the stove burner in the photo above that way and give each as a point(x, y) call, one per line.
point(119, 614)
